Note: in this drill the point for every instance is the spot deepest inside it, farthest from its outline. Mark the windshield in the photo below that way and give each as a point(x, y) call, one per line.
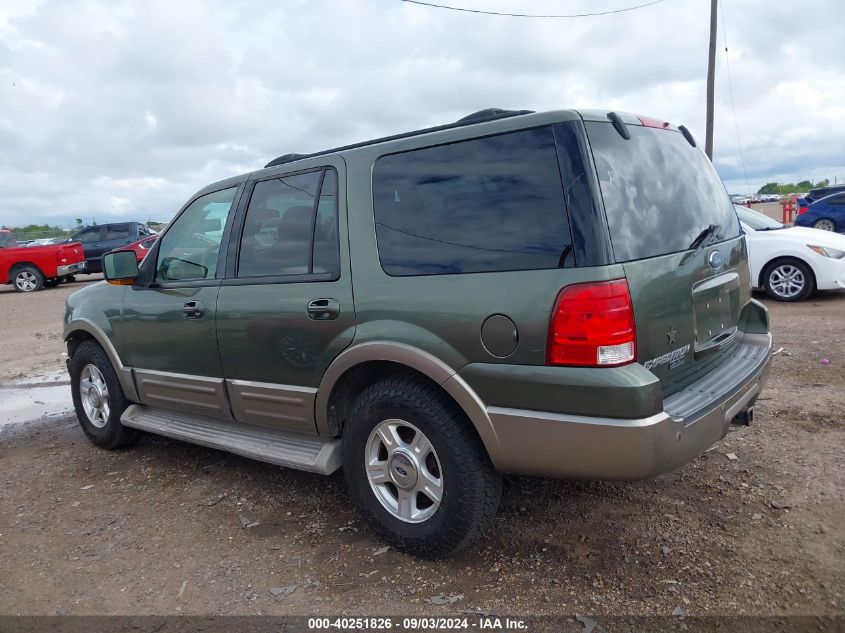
point(756, 220)
point(659, 192)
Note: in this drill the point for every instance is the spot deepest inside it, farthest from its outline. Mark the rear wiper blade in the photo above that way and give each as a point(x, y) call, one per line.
point(699, 241)
point(705, 233)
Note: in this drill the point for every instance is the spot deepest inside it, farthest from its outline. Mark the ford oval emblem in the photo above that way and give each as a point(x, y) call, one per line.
point(715, 259)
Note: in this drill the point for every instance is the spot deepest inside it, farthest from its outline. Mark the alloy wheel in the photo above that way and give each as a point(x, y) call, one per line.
point(26, 281)
point(787, 281)
point(404, 471)
point(94, 394)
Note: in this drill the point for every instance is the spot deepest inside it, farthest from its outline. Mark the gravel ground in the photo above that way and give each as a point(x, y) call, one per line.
point(754, 526)
point(31, 328)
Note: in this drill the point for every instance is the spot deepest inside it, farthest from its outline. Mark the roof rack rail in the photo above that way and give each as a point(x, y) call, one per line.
point(482, 116)
point(284, 158)
point(490, 114)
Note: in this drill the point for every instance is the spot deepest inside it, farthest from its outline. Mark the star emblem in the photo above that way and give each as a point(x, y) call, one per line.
point(670, 336)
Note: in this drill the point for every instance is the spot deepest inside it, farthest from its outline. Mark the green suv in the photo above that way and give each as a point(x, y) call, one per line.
point(563, 294)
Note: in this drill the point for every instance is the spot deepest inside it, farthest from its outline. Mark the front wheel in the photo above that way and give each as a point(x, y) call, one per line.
point(98, 398)
point(27, 279)
point(417, 469)
point(788, 280)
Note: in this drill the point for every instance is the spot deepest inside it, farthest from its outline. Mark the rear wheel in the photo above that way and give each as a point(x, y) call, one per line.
point(98, 398)
point(27, 279)
point(788, 280)
point(417, 469)
point(825, 224)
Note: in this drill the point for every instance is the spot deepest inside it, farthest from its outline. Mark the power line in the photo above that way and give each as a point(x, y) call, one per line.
point(532, 15)
point(731, 91)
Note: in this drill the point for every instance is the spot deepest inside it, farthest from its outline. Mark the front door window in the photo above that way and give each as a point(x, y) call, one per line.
point(190, 249)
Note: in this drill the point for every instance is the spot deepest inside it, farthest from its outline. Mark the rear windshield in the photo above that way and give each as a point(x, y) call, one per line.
point(659, 192)
point(7, 239)
point(482, 205)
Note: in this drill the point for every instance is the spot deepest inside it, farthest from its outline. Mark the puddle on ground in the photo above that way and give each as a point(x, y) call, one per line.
point(28, 399)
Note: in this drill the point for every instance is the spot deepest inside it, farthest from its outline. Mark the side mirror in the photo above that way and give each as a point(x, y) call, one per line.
point(120, 268)
point(175, 269)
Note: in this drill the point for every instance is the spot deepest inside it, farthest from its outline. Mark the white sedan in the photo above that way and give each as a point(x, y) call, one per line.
point(789, 263)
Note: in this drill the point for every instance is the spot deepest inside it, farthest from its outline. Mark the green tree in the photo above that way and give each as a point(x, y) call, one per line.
point(804, 185)
point(823, 183)
point(769, 187)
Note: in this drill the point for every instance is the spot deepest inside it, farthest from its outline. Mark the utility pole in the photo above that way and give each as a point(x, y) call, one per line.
point(711, 78)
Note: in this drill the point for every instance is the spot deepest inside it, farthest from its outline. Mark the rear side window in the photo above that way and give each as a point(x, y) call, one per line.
point(490, 204)
point(291, 227)
point(118, 231)
point(659, 192)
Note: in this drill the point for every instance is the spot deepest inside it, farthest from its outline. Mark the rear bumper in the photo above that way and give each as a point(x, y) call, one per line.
point(582, 447)
point(70, 269)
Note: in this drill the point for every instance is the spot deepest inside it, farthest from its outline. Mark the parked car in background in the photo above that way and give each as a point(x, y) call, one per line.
point(822, 192)
point(142, 246)
point(789, 263)
point(99, 240)
point(827, 214)
point(560, 294)
point(31, 268)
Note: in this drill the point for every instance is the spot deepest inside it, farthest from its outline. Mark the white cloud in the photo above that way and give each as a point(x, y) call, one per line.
point(124, 109)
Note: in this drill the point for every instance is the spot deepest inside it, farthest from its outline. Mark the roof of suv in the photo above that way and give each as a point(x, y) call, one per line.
point(482, 116)
point(483, 122)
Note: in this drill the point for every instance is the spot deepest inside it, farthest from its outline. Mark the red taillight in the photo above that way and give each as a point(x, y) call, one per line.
point(593, 325)
point(802, 210)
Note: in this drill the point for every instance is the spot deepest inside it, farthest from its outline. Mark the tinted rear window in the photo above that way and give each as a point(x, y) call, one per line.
point(490, 204)
point(118, 231)
point(659, 192)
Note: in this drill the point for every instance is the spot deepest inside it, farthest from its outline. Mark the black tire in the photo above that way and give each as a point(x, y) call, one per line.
point(27, 279)
point(113, 434)
point(472, 487)
point(69, 279)
point(774, 273)
point(52, 283)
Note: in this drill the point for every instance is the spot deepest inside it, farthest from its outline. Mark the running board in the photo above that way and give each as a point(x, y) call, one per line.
point(284, 448)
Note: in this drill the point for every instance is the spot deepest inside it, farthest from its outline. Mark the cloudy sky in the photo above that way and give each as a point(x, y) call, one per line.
point(124, 109)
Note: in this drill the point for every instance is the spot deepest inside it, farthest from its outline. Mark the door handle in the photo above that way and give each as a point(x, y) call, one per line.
point(323, 309)
point(193, 310)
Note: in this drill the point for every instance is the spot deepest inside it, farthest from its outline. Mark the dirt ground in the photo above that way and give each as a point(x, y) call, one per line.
point(31, 328)
point(167, 527)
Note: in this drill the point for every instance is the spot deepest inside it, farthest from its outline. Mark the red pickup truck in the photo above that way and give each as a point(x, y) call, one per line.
point(31, 268)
